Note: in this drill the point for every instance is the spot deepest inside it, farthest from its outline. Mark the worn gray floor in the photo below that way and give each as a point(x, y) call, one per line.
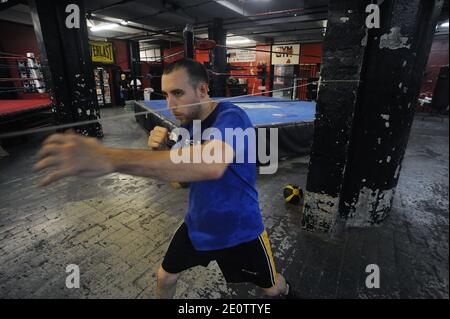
point(117, 228)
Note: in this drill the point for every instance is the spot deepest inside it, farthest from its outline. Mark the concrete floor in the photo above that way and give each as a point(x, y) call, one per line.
point(117, 229)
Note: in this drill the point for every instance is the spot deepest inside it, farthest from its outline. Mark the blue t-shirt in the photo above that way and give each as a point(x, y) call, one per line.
point(225, 212)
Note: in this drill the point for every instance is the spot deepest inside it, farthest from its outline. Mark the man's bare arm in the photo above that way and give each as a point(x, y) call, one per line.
point(158, 164)
point(70, 155)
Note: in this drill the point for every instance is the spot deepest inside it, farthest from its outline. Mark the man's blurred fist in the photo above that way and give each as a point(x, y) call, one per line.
point(158, 136)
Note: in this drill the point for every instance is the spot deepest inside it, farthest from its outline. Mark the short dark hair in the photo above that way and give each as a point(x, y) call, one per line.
point(196, 71)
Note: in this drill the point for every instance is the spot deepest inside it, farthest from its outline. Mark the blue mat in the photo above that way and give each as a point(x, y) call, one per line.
point(262, 110)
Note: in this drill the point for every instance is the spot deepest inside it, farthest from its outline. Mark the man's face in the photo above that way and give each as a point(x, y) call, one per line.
point(182, 100)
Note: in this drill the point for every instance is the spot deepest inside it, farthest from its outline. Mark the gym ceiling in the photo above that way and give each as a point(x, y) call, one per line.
point(159, 21)
point(164, 20)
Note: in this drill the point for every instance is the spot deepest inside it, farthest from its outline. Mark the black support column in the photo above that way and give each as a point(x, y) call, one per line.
point(340, 74)
point(361, 131)
point(188, 36)
point(66, 64)
point(218, 58)
point(396, 58)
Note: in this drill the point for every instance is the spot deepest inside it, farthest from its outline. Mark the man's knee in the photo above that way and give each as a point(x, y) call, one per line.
point(167, 279)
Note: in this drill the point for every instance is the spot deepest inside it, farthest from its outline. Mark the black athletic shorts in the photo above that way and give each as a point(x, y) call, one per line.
point(248, 262)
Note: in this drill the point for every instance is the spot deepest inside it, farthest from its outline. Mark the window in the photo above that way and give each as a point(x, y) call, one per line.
point(150, 54)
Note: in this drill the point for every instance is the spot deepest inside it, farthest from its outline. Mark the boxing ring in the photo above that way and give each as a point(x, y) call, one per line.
point(27, 113)
point(294, 119)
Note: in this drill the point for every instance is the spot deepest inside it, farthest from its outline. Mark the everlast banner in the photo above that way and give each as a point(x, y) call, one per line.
point(102, 52)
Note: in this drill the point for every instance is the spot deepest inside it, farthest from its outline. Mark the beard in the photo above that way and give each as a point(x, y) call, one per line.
point(194, 114)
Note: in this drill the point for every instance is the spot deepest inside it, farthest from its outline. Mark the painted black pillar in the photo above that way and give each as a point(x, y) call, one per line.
point(66, 64)
point(343, 52)
point(135, 68)
point(396, 58)
point(188, 36)
point(355, 167)
point(218, 58)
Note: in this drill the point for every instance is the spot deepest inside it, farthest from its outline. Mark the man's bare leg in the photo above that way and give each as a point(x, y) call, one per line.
point(166, 284)
point(280, 287)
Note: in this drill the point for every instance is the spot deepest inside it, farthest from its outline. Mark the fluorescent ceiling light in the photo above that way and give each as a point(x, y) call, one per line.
point(239, 40)
point(230, 5)
point(106, 26)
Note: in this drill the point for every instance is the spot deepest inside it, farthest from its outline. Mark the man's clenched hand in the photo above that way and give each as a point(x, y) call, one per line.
point(158, 136)
point(69, 155)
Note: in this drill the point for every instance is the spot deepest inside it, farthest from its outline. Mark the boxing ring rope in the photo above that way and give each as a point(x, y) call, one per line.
point(114, 117)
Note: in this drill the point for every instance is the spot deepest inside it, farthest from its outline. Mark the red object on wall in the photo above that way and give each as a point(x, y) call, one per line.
point(310, 59)
point(121, 54)
point(145, 69)
point(204, 44)
point(18, 38)
point(310, 53)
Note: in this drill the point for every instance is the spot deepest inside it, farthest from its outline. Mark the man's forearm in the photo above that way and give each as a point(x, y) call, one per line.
point(70, 155)
point(158, 164)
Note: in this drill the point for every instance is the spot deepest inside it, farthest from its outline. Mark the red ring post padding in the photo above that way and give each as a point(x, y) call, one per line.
point(205, 44)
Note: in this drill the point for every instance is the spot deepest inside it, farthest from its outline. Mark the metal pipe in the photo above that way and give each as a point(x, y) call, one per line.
point(278, 31)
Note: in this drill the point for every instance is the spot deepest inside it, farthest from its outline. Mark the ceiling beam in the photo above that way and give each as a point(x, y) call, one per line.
point(172, 9)
point(11, 3)
point(205, 25)
point(276, 15)
point(115, 4)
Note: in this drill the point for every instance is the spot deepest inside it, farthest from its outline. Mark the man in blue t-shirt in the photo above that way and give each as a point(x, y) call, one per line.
point(223, 221)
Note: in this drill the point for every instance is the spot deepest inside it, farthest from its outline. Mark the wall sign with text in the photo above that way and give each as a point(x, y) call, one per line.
point(102, 52)
point(240, 55)
point(286, 54)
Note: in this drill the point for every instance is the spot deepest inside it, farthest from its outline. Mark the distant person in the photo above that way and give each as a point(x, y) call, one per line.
point(124, 88)
point(139, 91)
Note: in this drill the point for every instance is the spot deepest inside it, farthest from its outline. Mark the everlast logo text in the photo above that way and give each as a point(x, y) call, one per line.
point(102, 51)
